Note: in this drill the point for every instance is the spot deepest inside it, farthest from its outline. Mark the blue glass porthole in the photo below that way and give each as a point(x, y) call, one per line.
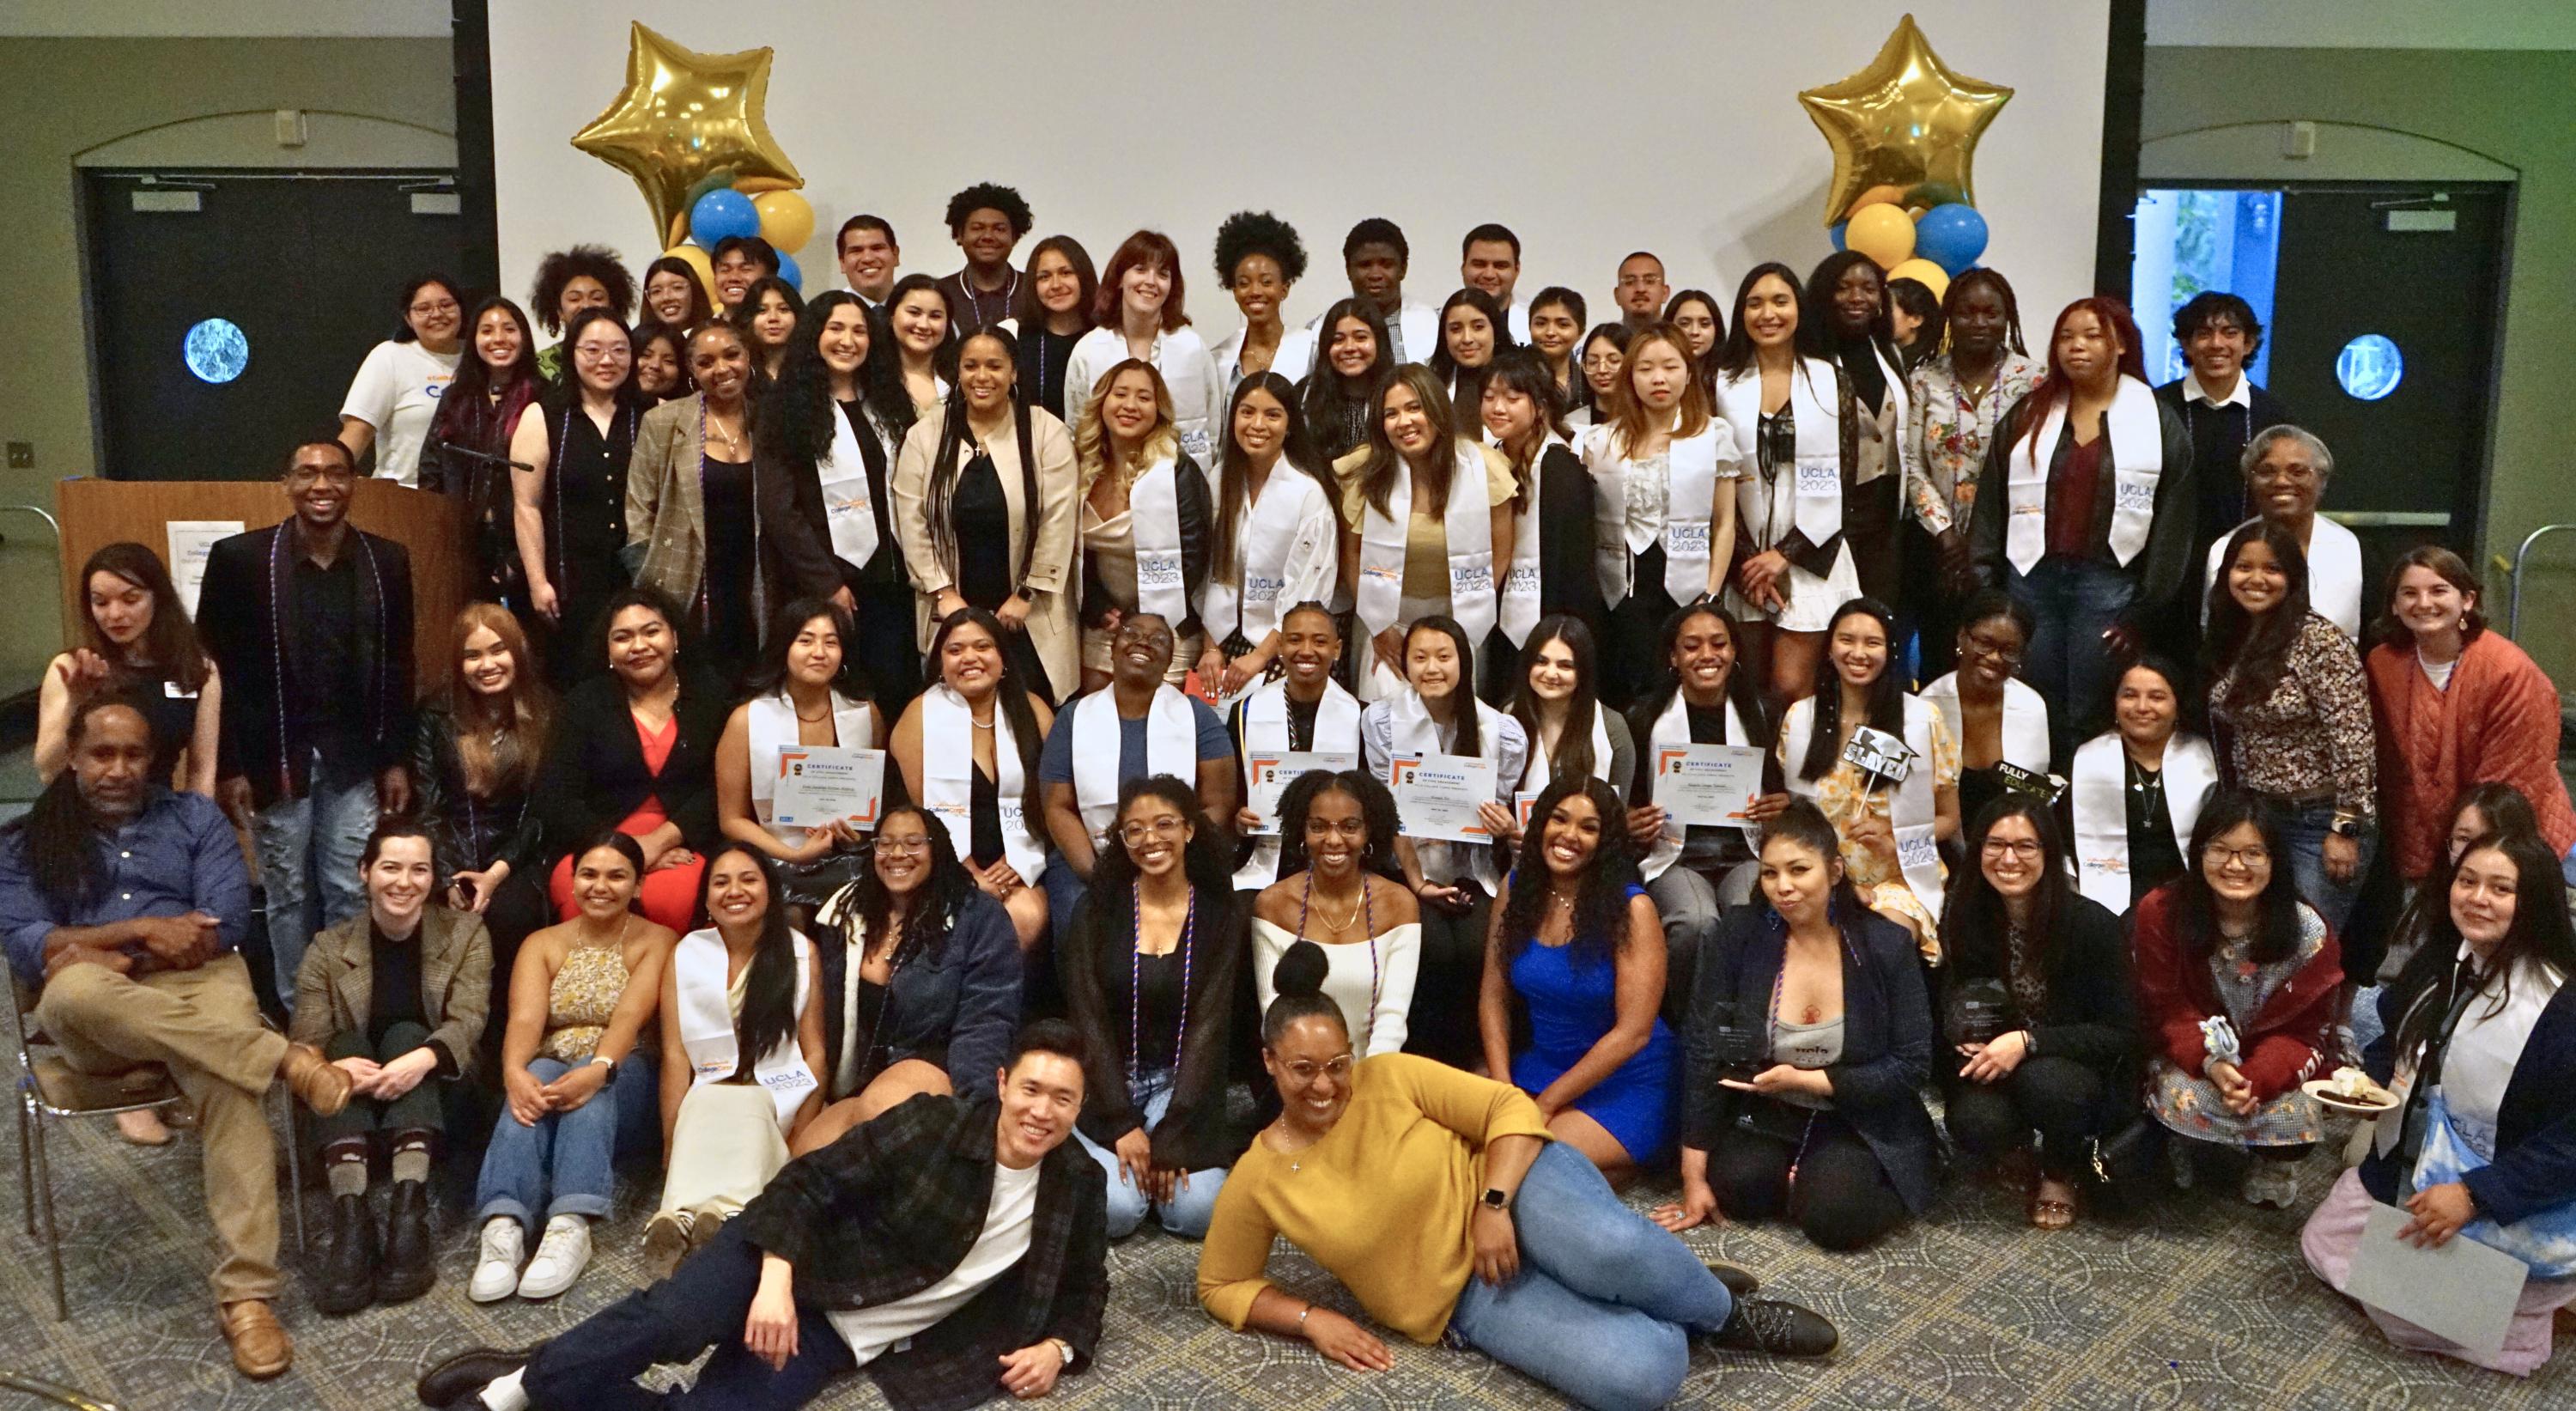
point(2370, 367)
point(216, 350)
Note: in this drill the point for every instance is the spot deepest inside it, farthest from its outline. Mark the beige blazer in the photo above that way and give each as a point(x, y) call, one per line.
point(335, 987)
point(1050, 568)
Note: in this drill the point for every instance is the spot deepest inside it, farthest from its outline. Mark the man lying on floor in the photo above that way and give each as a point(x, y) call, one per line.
point(952, 1248)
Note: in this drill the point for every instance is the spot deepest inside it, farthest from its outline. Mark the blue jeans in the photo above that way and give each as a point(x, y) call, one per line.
point(1606, 1300)
point(308, 851)
point(2304, 831)
point(1191, 1207)
point(560, 1166)
point(2073, 603)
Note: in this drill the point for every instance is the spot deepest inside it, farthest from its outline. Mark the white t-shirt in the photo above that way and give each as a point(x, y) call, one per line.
point(875, 1331)
point(396, 391)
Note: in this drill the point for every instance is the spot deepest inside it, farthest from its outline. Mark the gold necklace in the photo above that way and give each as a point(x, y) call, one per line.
point(1335, 928)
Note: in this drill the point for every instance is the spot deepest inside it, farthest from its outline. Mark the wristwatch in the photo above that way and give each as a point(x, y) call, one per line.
point(1063, 1349)
point(2345, 825)
point(1495, 1198)
point(601, 1060)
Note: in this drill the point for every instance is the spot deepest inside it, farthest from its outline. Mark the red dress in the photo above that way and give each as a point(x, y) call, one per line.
point(669, 895)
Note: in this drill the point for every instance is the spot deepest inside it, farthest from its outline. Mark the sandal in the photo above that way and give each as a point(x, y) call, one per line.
point(2050, 1213)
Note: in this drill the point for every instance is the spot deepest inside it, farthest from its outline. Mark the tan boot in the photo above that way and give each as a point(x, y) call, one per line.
point(261, 1348)
point(313, 1079)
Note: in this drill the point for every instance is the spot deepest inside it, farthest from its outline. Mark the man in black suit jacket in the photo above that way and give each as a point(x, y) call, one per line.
point(953, 1247)
point(310, 623)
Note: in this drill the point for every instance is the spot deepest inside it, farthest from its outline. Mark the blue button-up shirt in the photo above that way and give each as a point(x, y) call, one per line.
point(176, 856)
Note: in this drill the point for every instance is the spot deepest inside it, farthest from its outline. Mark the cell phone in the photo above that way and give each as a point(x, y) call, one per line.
point(465, 888)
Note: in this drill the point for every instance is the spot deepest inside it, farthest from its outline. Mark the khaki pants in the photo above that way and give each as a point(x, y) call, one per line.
point(204, 1026)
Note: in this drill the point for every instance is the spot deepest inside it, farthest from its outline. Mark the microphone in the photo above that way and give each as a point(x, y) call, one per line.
point(451, 448)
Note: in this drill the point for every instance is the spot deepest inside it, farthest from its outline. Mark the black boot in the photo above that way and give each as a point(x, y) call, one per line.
point(346, 1281)
point(410, 1264)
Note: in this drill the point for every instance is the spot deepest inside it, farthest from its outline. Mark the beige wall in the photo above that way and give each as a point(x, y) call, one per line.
point(62, 98)
point(2517, 109)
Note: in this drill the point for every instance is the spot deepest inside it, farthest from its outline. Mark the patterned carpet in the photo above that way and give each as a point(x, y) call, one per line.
point(2192, 1302)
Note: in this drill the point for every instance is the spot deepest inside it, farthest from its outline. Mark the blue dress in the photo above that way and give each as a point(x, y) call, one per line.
point(1571, 1005)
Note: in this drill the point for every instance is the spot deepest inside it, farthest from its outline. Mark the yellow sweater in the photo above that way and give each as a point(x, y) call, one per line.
point(1381, 1202)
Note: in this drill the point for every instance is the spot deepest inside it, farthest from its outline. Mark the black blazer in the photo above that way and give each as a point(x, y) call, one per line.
point(1567, 579)
point(239, 626)
point(594, 774)
point(803, 532)
point(889, 1209)
point(1887, 1038)
point(956, 1009)
point(1197, 512)
point(1097, 952)
point(2092, 1010)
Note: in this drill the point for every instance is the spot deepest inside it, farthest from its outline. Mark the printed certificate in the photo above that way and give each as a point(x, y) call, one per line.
point(820, 785)
point(1437, 795)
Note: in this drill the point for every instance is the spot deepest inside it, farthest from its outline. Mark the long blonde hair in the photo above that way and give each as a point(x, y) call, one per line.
point(497, 745)
point(1628, 418)
point(1091, 445)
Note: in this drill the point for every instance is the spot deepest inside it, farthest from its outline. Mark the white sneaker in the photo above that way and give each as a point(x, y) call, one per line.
point(2272, 1184)
point(561, 1256)
point(496, 1269)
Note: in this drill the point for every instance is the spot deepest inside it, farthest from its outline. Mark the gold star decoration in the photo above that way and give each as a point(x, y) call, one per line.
point(687, 123)
point(1906, 121)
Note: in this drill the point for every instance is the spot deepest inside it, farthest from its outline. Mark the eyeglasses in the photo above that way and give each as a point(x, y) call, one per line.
point(1303, 1073)
point(2241, 857)
point(307, 474)
point(904, 846)
point(2027, 849)
point(1639, 281)
point(601, 353)
point(443, 306)
point(1984, 645)
point(1166, 827)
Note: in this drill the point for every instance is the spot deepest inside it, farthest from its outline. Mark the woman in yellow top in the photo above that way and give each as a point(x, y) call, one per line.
point(1436, 1198)
point(1413, 544)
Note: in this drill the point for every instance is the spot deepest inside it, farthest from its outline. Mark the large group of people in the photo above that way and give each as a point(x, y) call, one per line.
point(2086, 814)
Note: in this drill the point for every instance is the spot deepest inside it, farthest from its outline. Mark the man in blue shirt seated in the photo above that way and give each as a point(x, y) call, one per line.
point(122, 902)
point(1134, 728)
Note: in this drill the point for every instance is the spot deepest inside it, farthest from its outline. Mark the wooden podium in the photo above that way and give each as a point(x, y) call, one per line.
point(96, 513)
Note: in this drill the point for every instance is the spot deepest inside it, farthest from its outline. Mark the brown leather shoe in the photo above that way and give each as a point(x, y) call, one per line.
point(313, 1080)
point(261, 1348)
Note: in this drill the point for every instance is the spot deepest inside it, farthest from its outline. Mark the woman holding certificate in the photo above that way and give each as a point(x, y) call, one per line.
point(1706, 710)
point(968, 748)
point(1343, 899)
point(2481, 1049)
point(1304, 712)
point(2137, 789)
point(1426, 519)
point(1451, 761)
point(1901, 797)
point(801, 697)
point(2001, 724)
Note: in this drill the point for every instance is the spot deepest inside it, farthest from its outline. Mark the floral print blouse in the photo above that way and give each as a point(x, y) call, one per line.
point(1950, 434)
point(2313, 732)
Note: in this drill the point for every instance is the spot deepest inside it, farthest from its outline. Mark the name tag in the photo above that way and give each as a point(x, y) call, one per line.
point(1161, 570)
point(1686, 538)
point(1818, 479)
point(1915, 848)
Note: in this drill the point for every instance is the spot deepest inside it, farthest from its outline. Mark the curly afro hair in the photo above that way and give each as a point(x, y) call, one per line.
point(986, 196)
point(564, 266)
point(1258, 233)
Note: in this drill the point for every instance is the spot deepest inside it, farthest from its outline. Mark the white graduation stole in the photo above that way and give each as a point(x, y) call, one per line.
point(2137, 463)
point(1411, 730)
point(1911, 812)
point(2100, 785)
point(772, 726)
point(1154, 522)
point(847, 511)
point(1265, 548)
point(1690, 489)
point(1673, 728)
point(1518, 609)
point(1816, 488)
point(1171, 747)
point(948, 779)
point(1537, 774)
point(1265, 731)
point(707, 1020)
point(2025, 724)
point(1471, 548)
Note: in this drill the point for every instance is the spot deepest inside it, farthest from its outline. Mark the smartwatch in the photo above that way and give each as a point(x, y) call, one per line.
point(1495, 1198)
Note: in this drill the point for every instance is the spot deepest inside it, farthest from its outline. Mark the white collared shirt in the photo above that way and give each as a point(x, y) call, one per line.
point(2241, 396)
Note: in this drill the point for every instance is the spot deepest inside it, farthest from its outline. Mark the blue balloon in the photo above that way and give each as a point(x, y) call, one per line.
point(1837, 233)
point(719, 215)
point(788, 271)
point(1951, 235)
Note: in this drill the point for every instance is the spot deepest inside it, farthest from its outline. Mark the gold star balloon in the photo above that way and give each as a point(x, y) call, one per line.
point(686, 123)
point(1907, 121)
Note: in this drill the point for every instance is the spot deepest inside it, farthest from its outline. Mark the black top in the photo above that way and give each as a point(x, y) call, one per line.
point(982, 518)
point(972, 310)
point(2154, 857)
point(1775, 453)
point(1301, 722)
point(984, 810)
point(1043, 356)
point(1567, 580)
point(585, 511)
point(323, 612)
point(1098, 961)
point(2218, 439)
point(725, 490)
point(394, 994)
point(2090, 1014)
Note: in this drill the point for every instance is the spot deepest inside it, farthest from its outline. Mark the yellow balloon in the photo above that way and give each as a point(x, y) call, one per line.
point(1925, 273)
point(1894, 196)
point(697, 259)
point(1881, 232)
point(1906, 119)
point(683, 115)
point(786, 221)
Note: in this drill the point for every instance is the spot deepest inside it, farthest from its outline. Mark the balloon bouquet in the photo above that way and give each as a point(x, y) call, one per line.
point(1904, 132)
point(691, 129)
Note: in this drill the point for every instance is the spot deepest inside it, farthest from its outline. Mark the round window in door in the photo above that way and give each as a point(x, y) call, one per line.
point(216, 350)
point(2370, 367)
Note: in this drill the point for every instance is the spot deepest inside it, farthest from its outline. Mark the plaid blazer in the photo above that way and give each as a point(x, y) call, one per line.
point(890, 1208)
point(335, 986)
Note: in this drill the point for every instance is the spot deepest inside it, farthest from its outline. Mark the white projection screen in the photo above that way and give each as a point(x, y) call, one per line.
point(1668, 125)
